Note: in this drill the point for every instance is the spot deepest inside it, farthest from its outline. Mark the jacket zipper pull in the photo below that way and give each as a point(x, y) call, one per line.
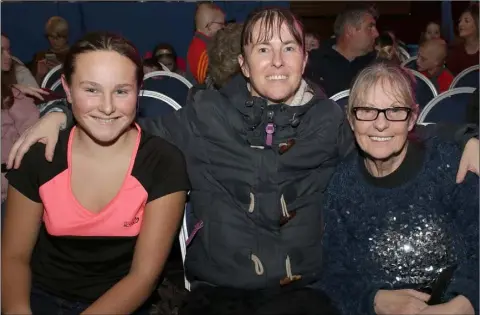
point(270, 129)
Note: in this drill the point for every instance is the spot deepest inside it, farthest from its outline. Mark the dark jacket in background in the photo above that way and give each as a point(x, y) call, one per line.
point(332, 71)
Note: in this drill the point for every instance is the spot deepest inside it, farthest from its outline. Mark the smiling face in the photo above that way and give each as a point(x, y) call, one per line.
point(382, 139)
point(103, 93)
point(274, 66)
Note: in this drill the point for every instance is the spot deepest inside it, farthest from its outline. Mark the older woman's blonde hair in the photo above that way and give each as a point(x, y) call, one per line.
point(382, 74)
point(56, 25)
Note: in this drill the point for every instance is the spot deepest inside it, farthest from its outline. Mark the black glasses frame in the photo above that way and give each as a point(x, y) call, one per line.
point(385, 112)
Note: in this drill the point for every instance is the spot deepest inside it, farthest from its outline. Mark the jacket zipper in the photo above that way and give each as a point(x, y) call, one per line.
point(270, 128)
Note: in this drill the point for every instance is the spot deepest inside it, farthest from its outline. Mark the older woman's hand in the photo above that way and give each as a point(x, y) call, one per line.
point(460, 305)
point(470, 160)
point(400, 302)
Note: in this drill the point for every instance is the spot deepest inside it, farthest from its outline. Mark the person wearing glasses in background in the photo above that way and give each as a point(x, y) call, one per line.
point(56, 30)
point(209, 18)
point(401, 235)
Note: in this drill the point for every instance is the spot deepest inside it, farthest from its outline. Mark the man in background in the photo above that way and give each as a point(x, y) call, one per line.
point(334, 65)
point(209, 19)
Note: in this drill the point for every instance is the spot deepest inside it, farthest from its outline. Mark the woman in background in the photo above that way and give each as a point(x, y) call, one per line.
point(18, 113)
point(13, 76)
point(465, 54)
point(56, 31)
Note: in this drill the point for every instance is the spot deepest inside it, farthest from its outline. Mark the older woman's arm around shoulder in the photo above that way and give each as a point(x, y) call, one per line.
point(20, 231)
point(162, 217)
point(462, 295)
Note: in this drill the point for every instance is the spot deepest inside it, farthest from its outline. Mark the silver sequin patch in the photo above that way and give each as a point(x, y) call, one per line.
point(413, 249)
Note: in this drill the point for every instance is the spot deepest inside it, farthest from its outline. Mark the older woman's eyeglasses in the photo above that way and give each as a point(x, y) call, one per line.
point(391, 114)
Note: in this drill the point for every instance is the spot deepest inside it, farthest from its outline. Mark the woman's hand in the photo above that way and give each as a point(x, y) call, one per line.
point(470, 160)
point(400, 302)
point(46, 130)
point(31, 91)
point(459, 305)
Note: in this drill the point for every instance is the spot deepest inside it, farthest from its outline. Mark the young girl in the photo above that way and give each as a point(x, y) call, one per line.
point(432, 31)
point(90, 232)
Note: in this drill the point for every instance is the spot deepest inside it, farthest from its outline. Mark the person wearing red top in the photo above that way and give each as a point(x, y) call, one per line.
point(465, 54)
point(209, 18)
point(430, 61)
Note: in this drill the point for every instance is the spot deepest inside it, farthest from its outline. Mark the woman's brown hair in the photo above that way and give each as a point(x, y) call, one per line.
point(8, 80)
point(103, 41)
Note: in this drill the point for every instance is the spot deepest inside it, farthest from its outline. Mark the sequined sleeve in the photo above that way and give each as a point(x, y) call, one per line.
point(464, 202)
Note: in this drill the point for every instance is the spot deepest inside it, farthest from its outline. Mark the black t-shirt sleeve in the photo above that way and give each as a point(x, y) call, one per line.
point(170, 173)
point(25, 179)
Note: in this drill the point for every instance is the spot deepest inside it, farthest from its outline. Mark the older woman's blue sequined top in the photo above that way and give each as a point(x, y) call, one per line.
point(402, 230)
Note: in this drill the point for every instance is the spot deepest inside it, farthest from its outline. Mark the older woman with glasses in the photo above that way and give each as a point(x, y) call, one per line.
point(401, 237)
point(56, 31)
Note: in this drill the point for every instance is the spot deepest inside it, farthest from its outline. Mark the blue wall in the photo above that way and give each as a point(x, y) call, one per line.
point(145, 23)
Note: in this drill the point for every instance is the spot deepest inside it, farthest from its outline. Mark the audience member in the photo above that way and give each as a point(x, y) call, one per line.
point(22, 75)
point(56, 30)
point(386, 48)
point(312, 41)
point(431, 61)
point(18, 113)
point(209, 19)
point(151, 65)
point(165, 54)
point(90, 232)
point(335, 67)
point(465, 54)
point(10, 74)
point(401, 236)
point(396, 40)
point(431, 31)
point(260, 152)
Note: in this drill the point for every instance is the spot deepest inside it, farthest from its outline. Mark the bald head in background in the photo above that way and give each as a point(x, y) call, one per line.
point(209, 18)
point(432, 55)
point(437, 48)
point(431, 61)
